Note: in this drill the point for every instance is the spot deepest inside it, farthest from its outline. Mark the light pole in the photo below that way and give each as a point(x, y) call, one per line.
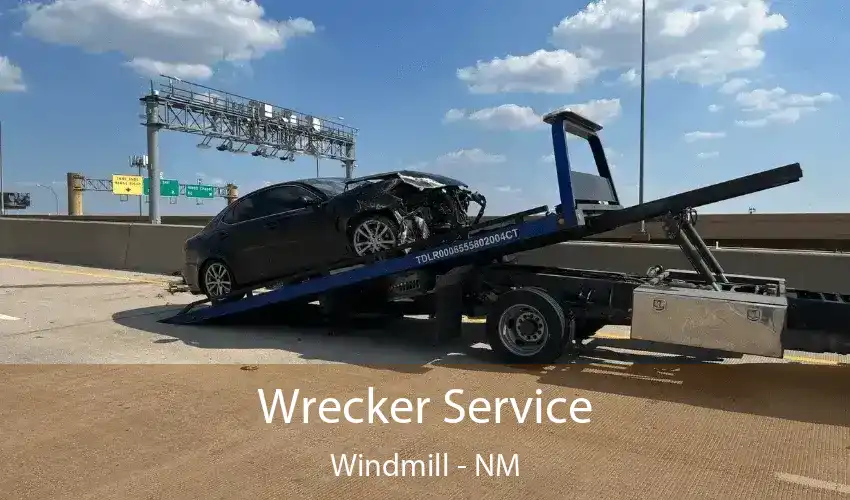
point(642, 105)
point(55, 196)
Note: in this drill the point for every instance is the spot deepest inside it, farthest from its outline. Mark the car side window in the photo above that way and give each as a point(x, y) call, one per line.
point(281, 199)
point(269, 202)
point(243, 210)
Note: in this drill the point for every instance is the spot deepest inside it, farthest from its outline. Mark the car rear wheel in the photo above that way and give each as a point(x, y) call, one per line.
point(217, 280)
point(374, 234)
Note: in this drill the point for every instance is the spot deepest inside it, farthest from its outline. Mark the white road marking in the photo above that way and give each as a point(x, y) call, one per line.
point(814, 483)
point(8, 318)
point(631, 375)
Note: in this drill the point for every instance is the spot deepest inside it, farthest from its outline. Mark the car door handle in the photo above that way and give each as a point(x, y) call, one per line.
point(222, 235)
point(270, 225)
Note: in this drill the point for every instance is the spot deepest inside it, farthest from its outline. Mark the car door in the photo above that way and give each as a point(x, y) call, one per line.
point(296, 225)
point(241, 239)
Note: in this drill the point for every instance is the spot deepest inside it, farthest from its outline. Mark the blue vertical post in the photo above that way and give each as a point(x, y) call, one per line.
point(562, 167)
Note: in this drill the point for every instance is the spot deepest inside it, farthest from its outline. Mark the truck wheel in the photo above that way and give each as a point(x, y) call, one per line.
point(526, 325)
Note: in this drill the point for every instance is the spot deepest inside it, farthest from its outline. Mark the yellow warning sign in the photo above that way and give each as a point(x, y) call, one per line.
point(131, 185)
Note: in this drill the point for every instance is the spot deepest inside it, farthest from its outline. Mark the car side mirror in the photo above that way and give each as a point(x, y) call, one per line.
point(308, 201)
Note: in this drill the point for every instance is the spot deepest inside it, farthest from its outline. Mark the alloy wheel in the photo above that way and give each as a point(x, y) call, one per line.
point(372, 236)
point(217, 280)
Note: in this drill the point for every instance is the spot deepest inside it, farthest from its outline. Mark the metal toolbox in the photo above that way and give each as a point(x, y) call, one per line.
point(728, 321)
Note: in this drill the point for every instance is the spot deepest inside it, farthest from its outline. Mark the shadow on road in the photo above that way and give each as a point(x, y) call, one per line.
point(397, 344)
point(806, 393)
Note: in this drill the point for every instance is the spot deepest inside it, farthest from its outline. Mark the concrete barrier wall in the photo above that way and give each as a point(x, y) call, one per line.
point(109, 245)
point(818, 271)
point(159, 249)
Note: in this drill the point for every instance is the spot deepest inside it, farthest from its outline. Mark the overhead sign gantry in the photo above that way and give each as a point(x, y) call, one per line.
point(237, 124)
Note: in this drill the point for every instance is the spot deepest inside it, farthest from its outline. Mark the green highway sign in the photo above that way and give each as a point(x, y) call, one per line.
point(200, 191)
point(167, 187)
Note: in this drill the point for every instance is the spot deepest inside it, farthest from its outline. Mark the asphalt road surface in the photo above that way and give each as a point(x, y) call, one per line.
point(100, 400)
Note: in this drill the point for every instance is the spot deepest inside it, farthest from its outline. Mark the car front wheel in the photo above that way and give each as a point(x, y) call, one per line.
point(374, 234)
point(217, 280)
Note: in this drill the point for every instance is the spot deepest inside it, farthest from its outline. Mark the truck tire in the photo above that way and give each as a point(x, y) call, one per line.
point(526, 326)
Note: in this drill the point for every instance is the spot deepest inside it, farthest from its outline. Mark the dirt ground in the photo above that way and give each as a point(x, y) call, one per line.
point(193, 431)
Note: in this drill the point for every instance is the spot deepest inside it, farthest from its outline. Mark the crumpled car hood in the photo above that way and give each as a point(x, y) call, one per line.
point(419, 180)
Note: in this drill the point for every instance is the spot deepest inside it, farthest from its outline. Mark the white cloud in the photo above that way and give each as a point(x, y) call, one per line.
point(508, 189)
point(151, 68)
point(454, 115)
point(778, 106)
point(505, 117)
point(185, 37)
point(11, 76)
point(470, 156)
point(515, 117)
point(759, 122)
point(550, 158)
point(734, 85)
point(702, 136)
point(790, 115)
point(631, 77)
point(701, 42)
point(785, 116)
point(708, 154)
point(714, 108)
point(601, 111)
point(778, 98)
point(542, 71)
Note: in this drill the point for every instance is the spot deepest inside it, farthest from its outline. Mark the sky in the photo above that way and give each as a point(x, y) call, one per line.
point(733, 87)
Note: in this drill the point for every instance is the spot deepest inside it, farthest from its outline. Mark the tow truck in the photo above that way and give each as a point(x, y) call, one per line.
point(534, 313)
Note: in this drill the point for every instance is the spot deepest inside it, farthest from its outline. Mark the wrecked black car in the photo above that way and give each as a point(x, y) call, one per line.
point(290, 227)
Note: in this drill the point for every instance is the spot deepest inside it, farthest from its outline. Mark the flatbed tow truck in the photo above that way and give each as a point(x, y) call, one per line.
point(533, 313)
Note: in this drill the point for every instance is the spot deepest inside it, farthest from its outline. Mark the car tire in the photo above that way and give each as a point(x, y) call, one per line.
point(374, 234)
point(217, 281)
